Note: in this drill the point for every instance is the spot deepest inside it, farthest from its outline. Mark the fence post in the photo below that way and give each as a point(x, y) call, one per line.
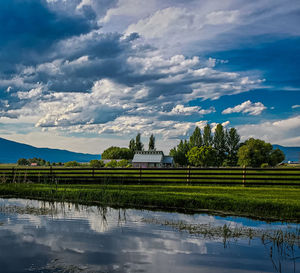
point(51, 175)
point(140, 174)
point(12, 174)
point(188, 175)
point(244, 175)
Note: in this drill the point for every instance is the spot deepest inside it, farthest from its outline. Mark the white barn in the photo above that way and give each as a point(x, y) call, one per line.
point(151, 159)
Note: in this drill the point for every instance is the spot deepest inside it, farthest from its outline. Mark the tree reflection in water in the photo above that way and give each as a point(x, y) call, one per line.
point(282, 245)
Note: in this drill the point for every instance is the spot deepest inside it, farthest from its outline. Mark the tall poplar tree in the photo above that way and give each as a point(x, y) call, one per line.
point(207, 136)
point(138, 144)
point(152, 143)
point(132, 145)
point(196, 138)
point(219, 142)
point(232, 146)
point(180, 153)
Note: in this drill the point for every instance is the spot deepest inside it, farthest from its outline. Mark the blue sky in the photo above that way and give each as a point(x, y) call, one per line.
point(87, 74)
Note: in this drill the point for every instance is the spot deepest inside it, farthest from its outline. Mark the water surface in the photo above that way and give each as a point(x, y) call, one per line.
point(47, 237)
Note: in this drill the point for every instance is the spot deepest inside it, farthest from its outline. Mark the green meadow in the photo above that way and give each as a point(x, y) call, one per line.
point(265, 202)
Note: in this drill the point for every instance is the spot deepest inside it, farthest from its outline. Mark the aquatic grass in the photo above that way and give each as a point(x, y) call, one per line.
point(289, 236)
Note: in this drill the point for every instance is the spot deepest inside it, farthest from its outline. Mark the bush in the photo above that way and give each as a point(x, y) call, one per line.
point(264, 165)
point(111, 164)
point(23, 162)
point(203, 156)
point(117, 153)
point(123, 163)
point(96, 163)
point(72, 164)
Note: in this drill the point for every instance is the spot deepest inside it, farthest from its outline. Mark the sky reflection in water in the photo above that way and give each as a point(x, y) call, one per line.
point(42, 237)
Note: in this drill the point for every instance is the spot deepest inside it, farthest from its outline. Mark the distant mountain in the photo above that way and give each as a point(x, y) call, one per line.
point(291, 153)
point(11, 151)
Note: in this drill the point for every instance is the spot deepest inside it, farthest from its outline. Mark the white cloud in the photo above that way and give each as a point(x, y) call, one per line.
point(162, 23)
point(222, 17)
point(84, 3)
point(247, 107)
point(181, 110)
point(130, 8)
point(296, 106)
point(159, 65)
point(190, 110)
point(33, 93)
point(213, 125)
point(284, 132)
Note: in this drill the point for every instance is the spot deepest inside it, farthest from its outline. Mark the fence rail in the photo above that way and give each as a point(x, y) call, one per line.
point(245, 176)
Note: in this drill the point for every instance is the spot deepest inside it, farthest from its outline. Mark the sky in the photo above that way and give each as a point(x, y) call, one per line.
point(84, 75)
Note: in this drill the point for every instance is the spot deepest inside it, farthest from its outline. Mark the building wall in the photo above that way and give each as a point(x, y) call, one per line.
point(146, 165)
point(140, 165)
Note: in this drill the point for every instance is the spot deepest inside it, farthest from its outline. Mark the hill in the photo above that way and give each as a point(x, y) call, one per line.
point(291, 153)
point(11, 151)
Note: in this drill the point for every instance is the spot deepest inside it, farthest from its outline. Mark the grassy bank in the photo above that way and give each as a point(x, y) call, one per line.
point(280, 203)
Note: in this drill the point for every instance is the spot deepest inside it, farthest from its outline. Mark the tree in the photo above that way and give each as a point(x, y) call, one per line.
point(123, 163)
point(111, 164)
point(255, 152)
point(117, 153)
point(196, 138)
point(132, 145)
point(180, 153)
point(152, 143)
point(72, 164)
point(203, 156)
point(138, 144)
point(23, 162)
point(96, 163)
point(219, 141)
point(276, 157)
point(207, 137)
point(232, 146)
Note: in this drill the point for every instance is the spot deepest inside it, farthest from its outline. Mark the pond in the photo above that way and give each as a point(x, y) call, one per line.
point(38, 236)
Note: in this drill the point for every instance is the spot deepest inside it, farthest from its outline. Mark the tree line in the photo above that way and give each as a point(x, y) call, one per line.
point(223, 148)
point(201, 149)
point(35, 160)
point(135, 144)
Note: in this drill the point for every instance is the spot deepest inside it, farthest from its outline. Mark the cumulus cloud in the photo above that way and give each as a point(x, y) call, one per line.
point(112, 107)
point(247, 107)
point(106, 83)
point(202, 24)
point(190, 110)
point(68, 73)
point(283, 132)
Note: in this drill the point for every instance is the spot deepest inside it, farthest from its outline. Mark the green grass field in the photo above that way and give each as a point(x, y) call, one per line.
point(273, 203)
point(276, 194)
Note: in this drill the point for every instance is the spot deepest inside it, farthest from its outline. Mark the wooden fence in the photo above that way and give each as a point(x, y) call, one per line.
point(244, 176)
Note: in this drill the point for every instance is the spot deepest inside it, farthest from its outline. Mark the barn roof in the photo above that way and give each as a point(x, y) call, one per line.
point(148, 157)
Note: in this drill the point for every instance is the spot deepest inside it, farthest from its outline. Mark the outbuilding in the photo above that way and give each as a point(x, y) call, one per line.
point(151, 159)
